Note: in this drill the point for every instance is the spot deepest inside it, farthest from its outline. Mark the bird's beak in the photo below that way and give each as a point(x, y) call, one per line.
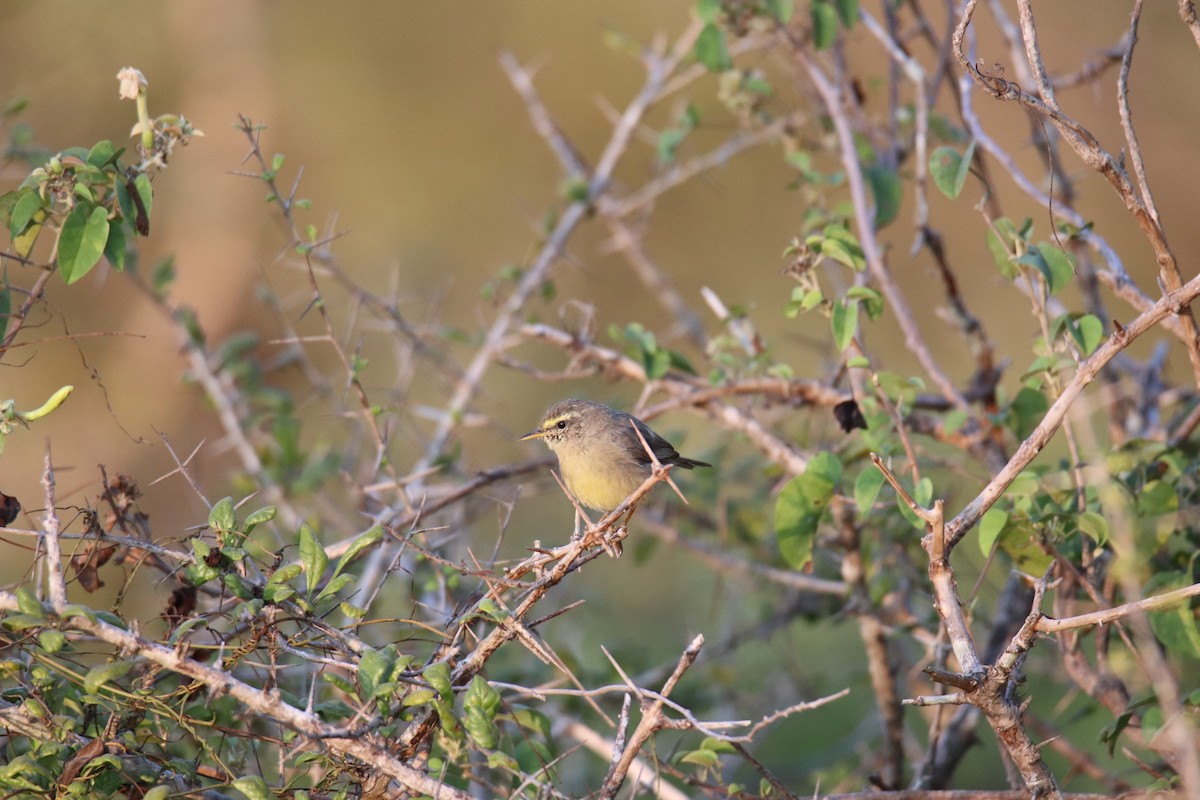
point(534, 434)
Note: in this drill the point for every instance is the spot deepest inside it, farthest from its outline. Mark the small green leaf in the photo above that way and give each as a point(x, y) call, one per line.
point(953, 421)
point(28, 603)
point(1094, 525)
point(885, 186)
point(254, 787)
point(101, 153)
point(285, 574)
point(25, 211)
point(866, 488)
point(5, 309)
point(838, 243)
point(102, 674)
point(701, 758)
point(824, 24)
point(438, 676)
point(872, 300)
point(335, 585)
point(1028, 408)
point(236, 586)
point(313, 557)
point(781, 10)
point(480, 705)
point(844, 322)
point(264, 514)
point(800, 505)
point(949, 169)
point(847, 12)
point(990, 527)
point(374, 668)
point(419, 697)
point(278, 592)
point(708, 11)
point(23, 244)
point(221, 518)
point(145, 191)
point(1175, 626)
point(114, 248)
point(1059, 267)
point(364, 540)
point(710, 49)
point(922, 493)
point(1156, 499)
point(82, 240)
point(52, 641)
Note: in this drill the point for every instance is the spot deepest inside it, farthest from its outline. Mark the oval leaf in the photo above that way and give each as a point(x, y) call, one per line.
point(711, 51)
point(98, 676)
point(82, 240)
point(313, 557)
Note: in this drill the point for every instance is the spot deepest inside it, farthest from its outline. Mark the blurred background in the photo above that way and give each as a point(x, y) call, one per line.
point(416, 149)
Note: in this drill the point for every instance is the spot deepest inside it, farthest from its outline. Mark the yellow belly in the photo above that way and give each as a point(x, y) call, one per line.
point(600, 488)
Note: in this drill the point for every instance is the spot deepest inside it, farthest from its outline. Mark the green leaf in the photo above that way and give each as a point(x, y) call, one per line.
point(374, 668)
point(701, 758)
point(480, 705)
point(885, 186)
point(838, 243)
point(419, 697)
point(1059, 267)
point(236, 586)
point(114, 248)
point(708, 11)
point(364, 540)
point(221, 518)
point(1091, 333)
point(25, 211)
point(800, 505)
point(313, 557)
point(335, 585)
point(949, 169)
point(844, 322)
point(866, 488)
point(952, 421)
point(145, 191)
point(285, 574)
point(437, 675)
point(847, 12)
point(158, 793)
point(98, 676)
point(1175, 626)
point(28, 603)
point(872, 300)
point(781, 10)
point(990, 527)
point(23, 244)
point(922, 493)
point(711, 51)
point(256, 518)
point(1094, 525)
point(824, 24)
point(82, 240)
point(5, 309)
point(52, 641)
point(254, 787)
point(101, 153)
point(1028, 408)
point(1156, 499)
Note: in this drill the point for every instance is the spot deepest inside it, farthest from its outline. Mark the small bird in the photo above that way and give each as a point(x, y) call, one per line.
point(601, 458)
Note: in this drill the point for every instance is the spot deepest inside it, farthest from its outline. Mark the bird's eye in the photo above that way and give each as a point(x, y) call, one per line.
point(562, 423)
